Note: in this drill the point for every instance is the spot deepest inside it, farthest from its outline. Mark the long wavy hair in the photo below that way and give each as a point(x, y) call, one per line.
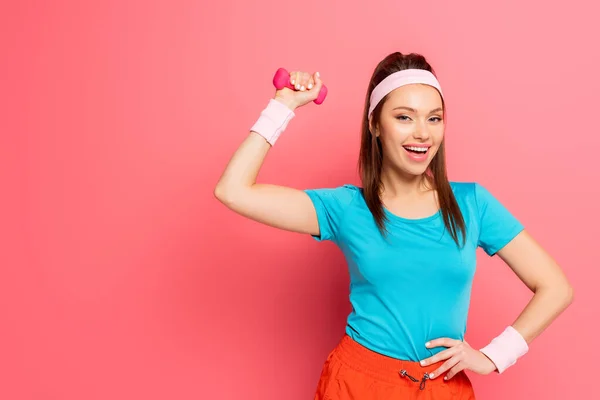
point(371, 154)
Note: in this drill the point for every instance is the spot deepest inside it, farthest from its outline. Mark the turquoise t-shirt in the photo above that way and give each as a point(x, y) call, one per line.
point(414, 285)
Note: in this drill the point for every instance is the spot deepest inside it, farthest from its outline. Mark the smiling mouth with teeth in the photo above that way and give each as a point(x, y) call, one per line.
point(416, 150)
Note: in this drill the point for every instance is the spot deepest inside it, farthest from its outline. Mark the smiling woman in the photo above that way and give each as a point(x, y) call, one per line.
point(409, 310)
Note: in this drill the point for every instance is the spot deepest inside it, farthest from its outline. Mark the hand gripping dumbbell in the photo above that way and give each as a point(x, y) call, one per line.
point(282, 79)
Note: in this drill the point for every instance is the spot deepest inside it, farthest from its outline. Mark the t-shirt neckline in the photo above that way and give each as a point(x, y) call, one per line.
point(394, 217)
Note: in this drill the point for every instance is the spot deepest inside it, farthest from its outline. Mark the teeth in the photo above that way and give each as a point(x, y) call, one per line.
point(419, 149)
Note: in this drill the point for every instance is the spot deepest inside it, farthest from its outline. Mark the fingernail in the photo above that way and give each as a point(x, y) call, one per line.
point(423, 362)
point(445, 378)
point(427, 344)
point(292, 81)
point(302, 87)
point(431, 376)
point(297, 86)
point(318, 75)
point(310, 85)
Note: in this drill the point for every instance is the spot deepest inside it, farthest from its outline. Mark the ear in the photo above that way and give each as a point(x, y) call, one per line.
point(374, 130)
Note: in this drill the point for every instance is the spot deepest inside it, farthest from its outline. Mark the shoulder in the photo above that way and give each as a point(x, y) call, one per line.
point(471, 192)
point(470, 195)
point(331, 205)
point(465, 190)
point(341, 195)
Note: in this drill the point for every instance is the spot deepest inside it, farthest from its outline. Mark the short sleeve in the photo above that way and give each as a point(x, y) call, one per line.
point(497, 226)
point(331, 205)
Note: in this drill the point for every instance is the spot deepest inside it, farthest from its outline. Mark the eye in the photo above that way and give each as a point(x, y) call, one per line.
point(437, 119)
point(403, 117)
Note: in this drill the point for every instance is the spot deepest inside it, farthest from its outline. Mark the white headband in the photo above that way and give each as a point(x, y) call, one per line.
point(401, 78)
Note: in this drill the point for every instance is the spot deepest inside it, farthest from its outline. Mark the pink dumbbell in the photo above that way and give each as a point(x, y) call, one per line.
point(282, 79)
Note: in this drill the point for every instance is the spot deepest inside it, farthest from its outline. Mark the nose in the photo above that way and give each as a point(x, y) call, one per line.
point(421, 131)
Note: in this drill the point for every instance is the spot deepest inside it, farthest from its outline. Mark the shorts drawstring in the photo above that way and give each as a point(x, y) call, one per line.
point(422, 384)
point(425, 377)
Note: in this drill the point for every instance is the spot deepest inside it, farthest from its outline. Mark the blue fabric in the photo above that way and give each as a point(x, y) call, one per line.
point(415, 284)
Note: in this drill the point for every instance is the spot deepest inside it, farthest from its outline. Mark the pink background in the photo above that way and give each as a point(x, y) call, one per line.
point(123, 278)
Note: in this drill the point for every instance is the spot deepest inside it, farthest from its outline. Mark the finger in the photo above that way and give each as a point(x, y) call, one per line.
point(442, 355)
point(444, 367)
point(305, 79)
point(454, 370)
point(311, 83)
point(299, 79)
point(317, 80)
point(445, 342)
point(294, 80)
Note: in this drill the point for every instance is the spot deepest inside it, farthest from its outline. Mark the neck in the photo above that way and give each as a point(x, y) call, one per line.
point(397, 183)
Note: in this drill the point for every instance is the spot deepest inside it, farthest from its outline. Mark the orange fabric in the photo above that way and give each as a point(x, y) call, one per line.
point(353, 372)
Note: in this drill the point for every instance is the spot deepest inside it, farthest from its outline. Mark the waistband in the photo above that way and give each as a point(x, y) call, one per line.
point(385, 368)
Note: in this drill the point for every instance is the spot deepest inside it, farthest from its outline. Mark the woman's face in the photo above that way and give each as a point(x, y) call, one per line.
point(411, 128)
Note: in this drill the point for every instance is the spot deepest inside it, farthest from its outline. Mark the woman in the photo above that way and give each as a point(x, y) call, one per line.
point(409, 236)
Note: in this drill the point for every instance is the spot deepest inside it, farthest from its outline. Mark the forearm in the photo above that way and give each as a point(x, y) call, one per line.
point(545, 306)
point(243, 167)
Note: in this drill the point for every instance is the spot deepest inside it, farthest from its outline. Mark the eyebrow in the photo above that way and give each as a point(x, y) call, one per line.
point(413, 110)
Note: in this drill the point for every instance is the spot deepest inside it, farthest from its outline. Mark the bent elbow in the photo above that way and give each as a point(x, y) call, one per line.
point(564, 294)
point(227, 195)
point(570, 295)
point(219, 192)
point(223, 194)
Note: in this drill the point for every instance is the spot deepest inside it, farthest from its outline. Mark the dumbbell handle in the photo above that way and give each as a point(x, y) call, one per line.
point(282, 79)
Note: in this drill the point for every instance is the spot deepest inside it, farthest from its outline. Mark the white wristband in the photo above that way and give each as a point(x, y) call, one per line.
point(506, 348)
point(272, 121)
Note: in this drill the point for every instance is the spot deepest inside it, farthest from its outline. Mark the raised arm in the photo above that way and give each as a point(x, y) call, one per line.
point(278, 206)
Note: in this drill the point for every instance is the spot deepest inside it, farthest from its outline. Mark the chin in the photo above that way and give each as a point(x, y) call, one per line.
point(415, 168)
point(415, 171)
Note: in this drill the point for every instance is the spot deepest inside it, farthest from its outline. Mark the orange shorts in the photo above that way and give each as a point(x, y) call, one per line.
point(353, 372)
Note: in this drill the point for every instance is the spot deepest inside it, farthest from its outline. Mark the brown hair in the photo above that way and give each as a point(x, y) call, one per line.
point(371, 155)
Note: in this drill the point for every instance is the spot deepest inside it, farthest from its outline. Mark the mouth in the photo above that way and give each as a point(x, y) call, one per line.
point(417, 152)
